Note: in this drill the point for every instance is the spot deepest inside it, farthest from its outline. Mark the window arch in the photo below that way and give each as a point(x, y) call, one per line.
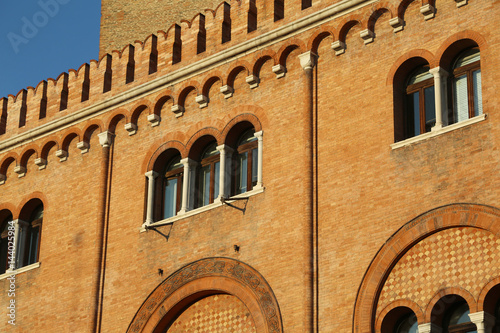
point(420, 113)
point(208, 175)
point(29, 233)
point(245, 163)
point(466, 92)
point(400, 320)
point(457, 320)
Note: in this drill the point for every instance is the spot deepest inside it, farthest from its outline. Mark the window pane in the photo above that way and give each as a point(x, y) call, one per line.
point(430, 108)
point(3, 255)
point(216, 179)
point(170, 203)
point(460, 101)
point(478, 96)
point(255, 164)
point(33, 246)
point(413, 115)
point(241, 173)
point(204, 186)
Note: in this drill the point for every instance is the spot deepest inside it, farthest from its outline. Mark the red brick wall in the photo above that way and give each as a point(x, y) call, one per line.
point(364, 190)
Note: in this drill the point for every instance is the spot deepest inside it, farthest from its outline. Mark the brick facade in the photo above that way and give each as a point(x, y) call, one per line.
point(347, 227)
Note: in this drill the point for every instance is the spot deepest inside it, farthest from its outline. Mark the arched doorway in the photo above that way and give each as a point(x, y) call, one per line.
point(214, 294)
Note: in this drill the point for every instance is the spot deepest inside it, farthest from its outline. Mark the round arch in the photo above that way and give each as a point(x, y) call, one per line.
point(451, 216)
point(207, 277)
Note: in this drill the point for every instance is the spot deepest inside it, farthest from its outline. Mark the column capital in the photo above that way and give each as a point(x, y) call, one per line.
point(483, 318)
point(308, 60)
point(152, 174)
point(438, 71)
point(106, 138)
point(258, 134)
point(224, 148)
point(188, 162)
point(429, 328)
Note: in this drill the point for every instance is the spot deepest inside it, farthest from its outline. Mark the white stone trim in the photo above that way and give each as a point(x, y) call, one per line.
point(440, 105)
point(178, 110)
point(428, 11)
point(151, 175)
point(338, 47)
point(279, 70)
point(484, 321)
point(253, 81)
point(260, 146)
point(443, 130)
point(83, 146)
point(224, 170)
point(227, 91)
point(154, 119)
point(131, 128)
point(2, 178)
point(20, 170)
point(461, 3)
point(187, 189)
point(429, 328)
point(307, 60)
point(367, 35)
point(397, 24)
point(19, 270)
point(184, 215)
point(105, 139)
point(62, 154)
point(41, 163)
point(202, 100)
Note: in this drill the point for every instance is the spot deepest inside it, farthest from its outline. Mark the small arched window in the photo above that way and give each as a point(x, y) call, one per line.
point(4, 240)
point(172, 187)
point(245, 163)
point(407, 324)
point(30, 235)
point(466, 85)
point(208, 173)
point(420, 114)
point(456, 319)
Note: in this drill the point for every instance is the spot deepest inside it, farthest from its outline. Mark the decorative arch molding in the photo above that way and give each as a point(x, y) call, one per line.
point(451, 291)
point(396, 304)
point(445, 217)
point(210, 275)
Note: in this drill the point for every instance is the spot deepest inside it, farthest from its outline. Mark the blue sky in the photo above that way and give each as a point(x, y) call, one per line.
point(40, 39)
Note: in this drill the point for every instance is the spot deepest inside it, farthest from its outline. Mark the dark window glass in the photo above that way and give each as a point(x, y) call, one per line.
point(172, 187)
point(245, 163)
point(466, 86)
point(420, 114)
point(407, 324)
point(208, 173)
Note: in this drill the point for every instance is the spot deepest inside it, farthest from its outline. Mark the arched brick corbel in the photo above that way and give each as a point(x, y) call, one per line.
point(205, 277)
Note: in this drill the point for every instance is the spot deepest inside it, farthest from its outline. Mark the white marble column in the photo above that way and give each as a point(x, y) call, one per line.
point(187, 188)
point(440, 76)
point(224, 171)
point(260, 145)
point(151, 196)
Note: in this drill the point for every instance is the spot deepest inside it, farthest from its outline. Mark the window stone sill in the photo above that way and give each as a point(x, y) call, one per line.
point(200, 210)
point(19, 271)
point(443, 130)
